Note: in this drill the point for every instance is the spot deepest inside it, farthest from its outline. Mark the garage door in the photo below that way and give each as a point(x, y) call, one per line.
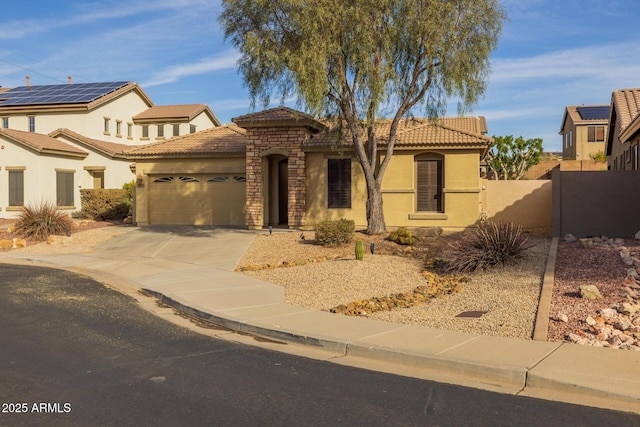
point(212, 199)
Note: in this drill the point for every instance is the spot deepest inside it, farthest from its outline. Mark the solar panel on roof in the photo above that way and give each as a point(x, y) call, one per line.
point(594, 113)
point(58, 94)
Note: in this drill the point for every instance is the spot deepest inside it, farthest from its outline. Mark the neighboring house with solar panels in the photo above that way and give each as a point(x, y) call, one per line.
point(624, 135)
point(584, 131)
point(57, 139)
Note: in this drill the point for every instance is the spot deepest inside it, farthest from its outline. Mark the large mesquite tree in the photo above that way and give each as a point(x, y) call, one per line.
point(362, 60)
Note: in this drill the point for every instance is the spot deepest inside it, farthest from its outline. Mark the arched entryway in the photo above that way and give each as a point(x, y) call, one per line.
point(275, 189)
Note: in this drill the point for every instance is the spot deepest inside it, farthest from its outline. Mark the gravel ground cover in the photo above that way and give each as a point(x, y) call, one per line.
point(508, 295)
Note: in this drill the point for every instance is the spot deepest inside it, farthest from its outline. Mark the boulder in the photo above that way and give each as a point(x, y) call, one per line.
point(428, 232)
point(590, 292)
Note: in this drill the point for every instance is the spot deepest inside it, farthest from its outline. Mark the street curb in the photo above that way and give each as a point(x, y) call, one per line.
point(541, 327)
point(246, 328)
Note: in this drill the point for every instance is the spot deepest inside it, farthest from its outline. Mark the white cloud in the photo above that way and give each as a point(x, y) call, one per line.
point(225, 60)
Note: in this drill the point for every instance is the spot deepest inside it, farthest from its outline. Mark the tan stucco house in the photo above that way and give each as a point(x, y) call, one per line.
point(58, 139)
point(624, 135)
point(281, 167)
point(584, 131)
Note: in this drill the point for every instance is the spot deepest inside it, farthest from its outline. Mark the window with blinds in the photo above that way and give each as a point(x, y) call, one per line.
point(339, 183)
point(64, 188)
point(429, 186)
point(16, 188)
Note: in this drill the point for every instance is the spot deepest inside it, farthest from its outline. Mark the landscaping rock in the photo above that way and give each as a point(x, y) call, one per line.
point(586, 243)
point(18, 243)
point(570, 238)
point(590, 292)
point(59, 240)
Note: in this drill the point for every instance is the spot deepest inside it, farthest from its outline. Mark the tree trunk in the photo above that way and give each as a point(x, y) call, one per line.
point(375, 214)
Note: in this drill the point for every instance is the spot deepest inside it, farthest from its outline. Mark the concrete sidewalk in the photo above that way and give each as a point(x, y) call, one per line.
point(192, 269)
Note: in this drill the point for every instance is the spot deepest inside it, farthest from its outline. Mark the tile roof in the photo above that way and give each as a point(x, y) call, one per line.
point(475, 124)
point(228, 139)
point(276, 117)
point(419, 133)
point(42, 143)
point(627, 107)
point(110, 148)
point(163, 112)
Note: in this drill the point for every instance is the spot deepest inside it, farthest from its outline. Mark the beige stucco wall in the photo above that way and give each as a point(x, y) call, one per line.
point(116, 171)
point(461, 191)
point(583, 149)
point(39, 176)
point(144, 168)
point(525, 202)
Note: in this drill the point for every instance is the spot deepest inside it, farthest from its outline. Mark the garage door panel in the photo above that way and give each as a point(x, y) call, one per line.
point(198, 200)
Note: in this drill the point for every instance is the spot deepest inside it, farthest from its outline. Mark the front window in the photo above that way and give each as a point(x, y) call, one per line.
point(118, 128)
point(129, 130)
point(32, 124)
point(16, 188)
point(145, 131)
point(192, 128)
point(176, 130)
point(339, 183)
point(64, 188)
point(5, 122)
point(106, 125)
point(595, 134)
point(429, 183)
point(160, 131)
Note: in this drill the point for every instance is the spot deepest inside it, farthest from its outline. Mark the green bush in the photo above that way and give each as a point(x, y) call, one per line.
point(491, 244)
point(128, 187)
point(335, 233)
point(402, 236)
point(41, 221)
point(105, 205)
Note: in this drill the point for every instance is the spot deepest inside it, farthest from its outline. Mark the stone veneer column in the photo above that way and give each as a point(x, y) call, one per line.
point(286, 139)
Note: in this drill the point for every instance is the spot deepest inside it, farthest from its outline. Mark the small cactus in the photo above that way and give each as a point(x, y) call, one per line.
point(359, 250)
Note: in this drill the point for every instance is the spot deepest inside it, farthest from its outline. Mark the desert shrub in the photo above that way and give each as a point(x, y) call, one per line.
point(335, 233)
point(128, 187)
point(105, 205)
point(489, 245)
point(41, 221)
point(402, 236)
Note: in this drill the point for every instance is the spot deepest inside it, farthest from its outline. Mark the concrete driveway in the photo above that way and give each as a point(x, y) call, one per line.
point(216, 247)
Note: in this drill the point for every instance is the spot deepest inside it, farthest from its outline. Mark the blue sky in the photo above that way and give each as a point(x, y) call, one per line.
point(552, 54)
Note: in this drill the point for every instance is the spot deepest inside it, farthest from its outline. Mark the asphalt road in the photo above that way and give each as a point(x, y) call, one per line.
point(73, 352)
